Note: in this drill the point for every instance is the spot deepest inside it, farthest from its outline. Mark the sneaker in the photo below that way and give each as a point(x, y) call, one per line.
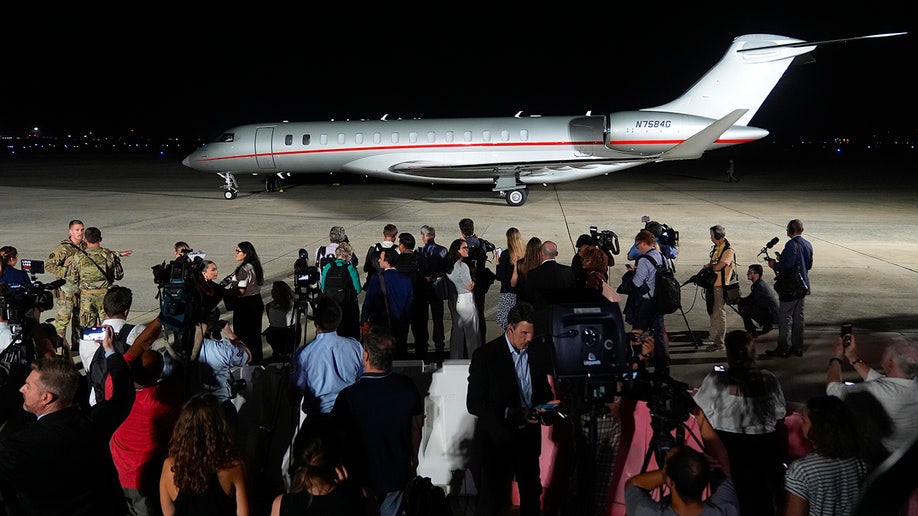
point(714, 347)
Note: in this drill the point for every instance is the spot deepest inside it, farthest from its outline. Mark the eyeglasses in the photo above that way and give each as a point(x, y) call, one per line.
point(238, 251)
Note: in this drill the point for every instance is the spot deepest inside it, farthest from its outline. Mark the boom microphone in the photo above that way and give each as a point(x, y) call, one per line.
point(771, 243)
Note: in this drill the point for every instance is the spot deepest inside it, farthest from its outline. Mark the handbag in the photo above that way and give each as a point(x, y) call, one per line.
point(731, 293)
point(789, 286)
point(732, 289)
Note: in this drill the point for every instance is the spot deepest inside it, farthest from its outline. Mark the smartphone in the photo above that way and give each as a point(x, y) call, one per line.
point(547, 406)
point(94, 333)
point(720, 368)
point(846, 329)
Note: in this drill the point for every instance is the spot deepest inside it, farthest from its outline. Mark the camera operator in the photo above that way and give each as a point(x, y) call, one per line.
point(221, 350)
point(722, 261)
point(9, 274)
point(745, 404)
point(640, 308)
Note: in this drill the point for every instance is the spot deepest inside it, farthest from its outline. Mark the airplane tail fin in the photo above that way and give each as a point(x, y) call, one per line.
point(746, 74)
point(742, 79)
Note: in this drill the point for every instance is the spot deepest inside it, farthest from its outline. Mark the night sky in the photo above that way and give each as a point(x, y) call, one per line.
point(191, 74)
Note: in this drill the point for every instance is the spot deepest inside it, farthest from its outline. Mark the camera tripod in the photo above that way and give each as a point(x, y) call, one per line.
point(305, 300)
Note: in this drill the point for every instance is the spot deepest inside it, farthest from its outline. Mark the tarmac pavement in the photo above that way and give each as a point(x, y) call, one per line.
point(860, 215)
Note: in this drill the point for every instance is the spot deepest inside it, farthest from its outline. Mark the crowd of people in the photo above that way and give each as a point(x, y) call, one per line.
point(138, 429)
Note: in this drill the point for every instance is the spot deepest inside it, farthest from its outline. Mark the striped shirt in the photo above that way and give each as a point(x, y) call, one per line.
point(831, 486)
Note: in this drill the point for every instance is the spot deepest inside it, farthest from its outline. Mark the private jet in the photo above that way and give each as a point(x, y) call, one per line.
point(511, 153)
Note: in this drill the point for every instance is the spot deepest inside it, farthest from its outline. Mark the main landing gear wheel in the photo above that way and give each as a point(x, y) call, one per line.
point(229, 195)
point(517, 197)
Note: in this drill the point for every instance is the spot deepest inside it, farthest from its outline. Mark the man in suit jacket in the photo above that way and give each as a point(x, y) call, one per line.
point(505, 384)
point(388, 302)
point(546, 279)
point(61, 464)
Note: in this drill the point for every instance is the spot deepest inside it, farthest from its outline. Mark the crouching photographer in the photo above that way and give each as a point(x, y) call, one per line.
point(221, 350)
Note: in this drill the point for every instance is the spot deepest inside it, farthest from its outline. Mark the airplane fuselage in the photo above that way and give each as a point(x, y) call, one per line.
point(468, 150)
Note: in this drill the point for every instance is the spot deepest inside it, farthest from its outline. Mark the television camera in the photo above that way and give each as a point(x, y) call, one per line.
point(17, 300)
point(606, 240)
point(179, 294)
point(305, 279)
point(475, 241)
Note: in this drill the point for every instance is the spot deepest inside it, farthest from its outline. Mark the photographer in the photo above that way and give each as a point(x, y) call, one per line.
point(221, 350)
point(896, 391)
point(722, 261)
point(745, 404)
point(640, 308)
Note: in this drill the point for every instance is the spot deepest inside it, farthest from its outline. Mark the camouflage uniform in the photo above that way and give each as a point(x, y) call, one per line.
point(68, 296)
point(93, 284)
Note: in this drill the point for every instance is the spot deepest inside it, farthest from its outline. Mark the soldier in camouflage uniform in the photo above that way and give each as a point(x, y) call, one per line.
point(68, 296)
point(94, 271)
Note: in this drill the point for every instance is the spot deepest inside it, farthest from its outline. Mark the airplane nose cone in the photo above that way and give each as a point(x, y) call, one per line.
point(187, 161)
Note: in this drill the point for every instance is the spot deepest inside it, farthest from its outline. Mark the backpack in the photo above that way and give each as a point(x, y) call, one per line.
point(667, 290)
point(98, 368)
point(338, 284)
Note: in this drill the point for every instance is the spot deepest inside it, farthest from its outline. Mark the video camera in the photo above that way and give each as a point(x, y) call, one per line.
point(17, 300)
point(668, 400)
point(606, 240)
point(179, 294)
point(665, 234)
point(305, 279)
point(475, 241)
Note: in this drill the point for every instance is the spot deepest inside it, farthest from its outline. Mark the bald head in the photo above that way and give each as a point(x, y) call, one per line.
point(549, 250)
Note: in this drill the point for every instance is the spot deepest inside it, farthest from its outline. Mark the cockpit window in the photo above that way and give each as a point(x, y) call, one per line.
point(226, 137)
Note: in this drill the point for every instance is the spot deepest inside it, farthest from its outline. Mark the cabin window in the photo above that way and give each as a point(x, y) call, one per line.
point(467, 136)
point(323, 139)
point(394, 137)
point(288, 140)
point(305, 139)
point(486, 135)
point(377, 138)
point(449, 136)
point(431, 137)
point(524, 135)
point(358, 138)
point(340, 138)
point(413, 136)
point(505, 135)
